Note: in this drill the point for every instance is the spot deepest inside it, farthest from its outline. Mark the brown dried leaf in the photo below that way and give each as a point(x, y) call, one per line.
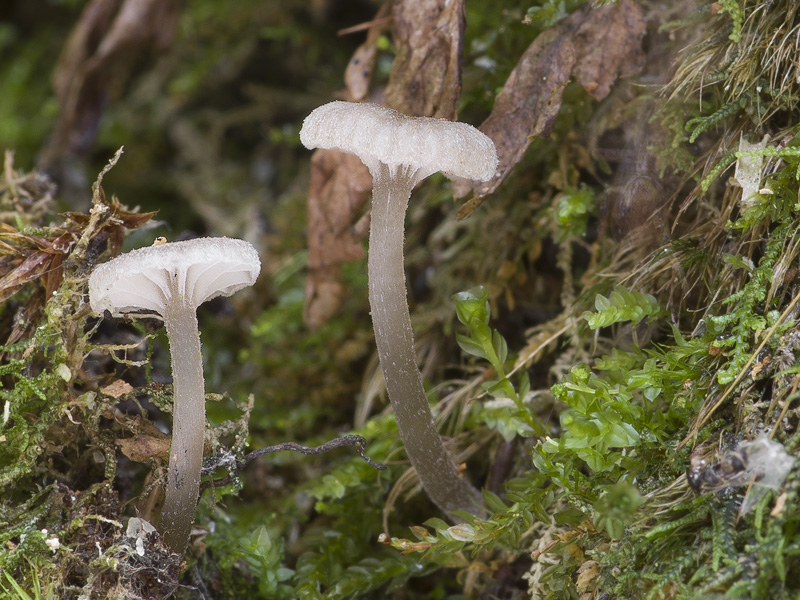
point(426, 75)
point(117, 388)
point(117, 215)
point(24, 258)
point(587, 577)
point(142, 448)
point(18, 243)
point(111, 229)
point(340, 185)
point(8, 249)
point(21, 272)
point(527, 106)
point(596, 45)
point(608, 44)
point(425, 80)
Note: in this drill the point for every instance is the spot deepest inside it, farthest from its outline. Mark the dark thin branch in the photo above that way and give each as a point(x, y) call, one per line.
point(356, 441)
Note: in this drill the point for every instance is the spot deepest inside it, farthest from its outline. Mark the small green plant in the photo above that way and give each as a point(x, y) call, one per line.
point(573, 209)
point(616, 508)
point(508, 413)
point(736, 12)
point(263, 556)
point(621, 306)
point(700, 124)
point(603, 419)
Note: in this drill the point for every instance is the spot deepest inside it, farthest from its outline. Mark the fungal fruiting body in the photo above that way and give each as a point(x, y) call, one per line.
point(169, 281)
point(400, 151)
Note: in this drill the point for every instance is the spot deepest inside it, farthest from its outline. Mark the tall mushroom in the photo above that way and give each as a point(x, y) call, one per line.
point(400, 151)
point(170, 281)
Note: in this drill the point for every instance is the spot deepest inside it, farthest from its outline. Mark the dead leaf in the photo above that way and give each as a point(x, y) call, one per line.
point(111, 230)
point(117, 388)
point(527, 106)
point(426, 75)
point(340, 185)
point(108, 40)
point(25, 258)
point(596, 45)
point(608, 45)
point(587, 576)
point(142, 448)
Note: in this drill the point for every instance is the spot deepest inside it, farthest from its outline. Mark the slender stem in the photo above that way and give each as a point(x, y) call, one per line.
point(188, 426)
point(395, 340)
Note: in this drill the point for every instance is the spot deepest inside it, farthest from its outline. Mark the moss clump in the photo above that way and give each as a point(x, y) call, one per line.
point(61, 505)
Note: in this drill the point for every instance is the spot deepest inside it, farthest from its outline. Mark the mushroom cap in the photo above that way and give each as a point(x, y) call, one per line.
point(377, 134)
point(201, 269)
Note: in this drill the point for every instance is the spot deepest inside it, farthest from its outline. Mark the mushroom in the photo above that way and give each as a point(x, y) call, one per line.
point(169, 281)
point(400, 151)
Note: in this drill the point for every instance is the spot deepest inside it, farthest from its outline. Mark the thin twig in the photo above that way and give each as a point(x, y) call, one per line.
point(377, 22)
point(356, 441)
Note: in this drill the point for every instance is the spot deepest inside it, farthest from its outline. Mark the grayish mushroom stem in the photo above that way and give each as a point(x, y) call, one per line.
point(170, 281)
point(395, 340)
point(189, 422)
point(400, 151)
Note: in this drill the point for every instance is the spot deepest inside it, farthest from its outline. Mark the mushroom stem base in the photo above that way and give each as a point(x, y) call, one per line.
point(395, 340)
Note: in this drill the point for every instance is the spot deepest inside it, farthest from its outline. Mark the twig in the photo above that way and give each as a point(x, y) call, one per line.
point(377, 22)
point(356, 441)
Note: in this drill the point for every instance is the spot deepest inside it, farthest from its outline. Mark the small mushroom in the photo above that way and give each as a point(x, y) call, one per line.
point(400, 151)
point(169, 281)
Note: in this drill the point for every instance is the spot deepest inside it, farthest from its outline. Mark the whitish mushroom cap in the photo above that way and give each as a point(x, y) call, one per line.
point(377, 134)
point(198, 270)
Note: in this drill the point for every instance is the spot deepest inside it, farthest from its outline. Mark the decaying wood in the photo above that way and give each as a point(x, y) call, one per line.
point(426, 75)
